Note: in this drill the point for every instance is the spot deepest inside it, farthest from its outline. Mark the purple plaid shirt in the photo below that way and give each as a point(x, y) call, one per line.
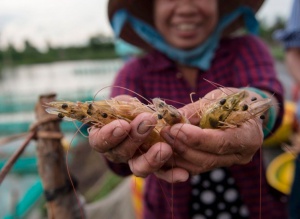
point(239, 62)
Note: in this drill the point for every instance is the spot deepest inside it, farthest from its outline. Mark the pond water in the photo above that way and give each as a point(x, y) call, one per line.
point(59, 77)
point(21, 86)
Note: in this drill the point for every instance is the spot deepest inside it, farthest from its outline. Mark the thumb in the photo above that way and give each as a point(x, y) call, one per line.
point(192, 112)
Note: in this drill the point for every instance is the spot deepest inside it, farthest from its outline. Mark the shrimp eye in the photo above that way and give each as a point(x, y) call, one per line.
point(104, 115)
point(89, 112)
point(244, 107)
point(253, 98)
point(81, 117)
point(262, 117)
point(159, 116)
point(90, 106)
point(60, 115)
point(161, 105)
point(64, 106)
point(173, 115)
point(223, 101)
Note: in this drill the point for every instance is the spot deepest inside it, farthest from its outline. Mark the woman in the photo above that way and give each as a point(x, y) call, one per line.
point(187, 43)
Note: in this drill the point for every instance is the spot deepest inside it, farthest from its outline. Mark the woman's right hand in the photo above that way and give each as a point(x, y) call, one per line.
point(121, 142)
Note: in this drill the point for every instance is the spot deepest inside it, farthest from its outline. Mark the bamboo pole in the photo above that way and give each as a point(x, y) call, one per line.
point(62, 201)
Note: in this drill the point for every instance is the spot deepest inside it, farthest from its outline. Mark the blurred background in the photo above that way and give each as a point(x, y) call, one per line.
point(67, 47)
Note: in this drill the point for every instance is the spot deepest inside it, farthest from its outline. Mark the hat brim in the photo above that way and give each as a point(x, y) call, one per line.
point(143, 9)
point(280, 172)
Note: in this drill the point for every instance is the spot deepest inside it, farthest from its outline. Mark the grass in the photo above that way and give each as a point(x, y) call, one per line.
point(277, 52)
point(107, 183)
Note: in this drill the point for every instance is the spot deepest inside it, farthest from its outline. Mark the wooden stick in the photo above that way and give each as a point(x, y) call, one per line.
point(62, 201)
point(11, 138)
point(8, 165)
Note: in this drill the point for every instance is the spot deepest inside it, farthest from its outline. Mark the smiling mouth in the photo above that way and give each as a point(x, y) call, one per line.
point(186, 27)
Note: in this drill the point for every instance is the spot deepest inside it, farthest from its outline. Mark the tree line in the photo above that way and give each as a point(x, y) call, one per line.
point(98, 47)
point(102, 47)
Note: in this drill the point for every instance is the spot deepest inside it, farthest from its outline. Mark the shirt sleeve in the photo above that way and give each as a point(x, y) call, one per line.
point(254, 67)
point(290, 36)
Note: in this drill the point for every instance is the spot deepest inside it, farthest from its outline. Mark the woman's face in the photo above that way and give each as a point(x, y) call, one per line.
point(185, 24)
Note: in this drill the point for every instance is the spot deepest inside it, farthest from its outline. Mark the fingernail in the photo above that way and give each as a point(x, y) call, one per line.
point(118, 132)
point(183, 177)
point(144, 127)
point(161, 156)
point(180, 148)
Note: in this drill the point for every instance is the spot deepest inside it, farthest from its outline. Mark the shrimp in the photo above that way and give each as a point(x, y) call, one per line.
point(225, 112)
point(232, 111)
point(99, 113)
point(168, 113)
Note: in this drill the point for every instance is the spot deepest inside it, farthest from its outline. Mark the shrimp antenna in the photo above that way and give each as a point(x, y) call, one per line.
point(173, 101)
point(219, 86)
point(196, 111)
point(124, 88)
point(79, 127)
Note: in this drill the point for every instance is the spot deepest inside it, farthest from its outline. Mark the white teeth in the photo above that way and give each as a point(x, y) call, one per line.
point(186, 26)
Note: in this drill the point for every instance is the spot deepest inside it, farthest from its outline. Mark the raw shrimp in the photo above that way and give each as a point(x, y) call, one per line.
point(168, 113)
point(232, 110)
point(99, 113)
point(227, 111)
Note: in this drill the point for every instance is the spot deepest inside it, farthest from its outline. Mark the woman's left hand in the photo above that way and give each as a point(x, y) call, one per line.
point(198, 150)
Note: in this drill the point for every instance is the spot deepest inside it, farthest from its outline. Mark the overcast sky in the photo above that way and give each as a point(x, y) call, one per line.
point(69, 22)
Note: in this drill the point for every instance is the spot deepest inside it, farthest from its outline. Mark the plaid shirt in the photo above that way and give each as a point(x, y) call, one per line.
point(238, 62)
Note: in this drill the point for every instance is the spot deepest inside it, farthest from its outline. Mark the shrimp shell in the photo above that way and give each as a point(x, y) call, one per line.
point(232, 111)
point(255, 109)
point(218, 111)
point(168, 113)
point(99, 113)
point(226, 112)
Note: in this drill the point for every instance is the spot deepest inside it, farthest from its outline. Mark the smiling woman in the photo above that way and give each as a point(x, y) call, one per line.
point(187, 44)
point(185, 27)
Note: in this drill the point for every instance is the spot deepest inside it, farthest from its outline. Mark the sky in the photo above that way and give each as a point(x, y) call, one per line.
point(72, 22)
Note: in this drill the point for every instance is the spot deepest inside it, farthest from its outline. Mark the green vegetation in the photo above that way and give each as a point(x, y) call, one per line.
point(98, 47)
point(102, 47)
point(266, 33)
point(107, 183)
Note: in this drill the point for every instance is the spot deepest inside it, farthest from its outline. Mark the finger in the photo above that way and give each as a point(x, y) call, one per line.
point(191, 112)
point(151, 161)
point(141, 131)
point(218, 93)
point(199, 162)
point(123, 97)
point(141, 128)
point(106, 138)
point(231, 140)
point(173, 175)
